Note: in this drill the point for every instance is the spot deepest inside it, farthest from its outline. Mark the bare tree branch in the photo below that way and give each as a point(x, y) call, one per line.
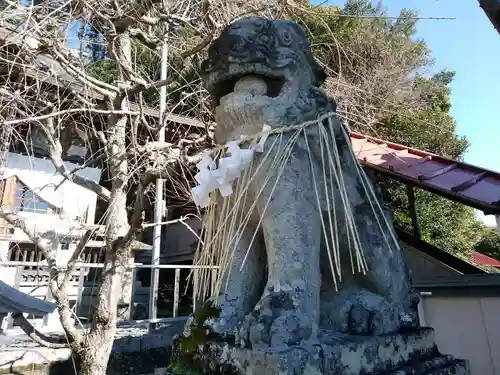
point(18, 222)
point(37, 336)
point(80, 75)
point(70, 111)
point(58, 291)
point(55, 151)
point(148, 40)
point(44, 86)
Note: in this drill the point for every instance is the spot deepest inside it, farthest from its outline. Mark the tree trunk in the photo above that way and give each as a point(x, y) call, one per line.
point(93, 355)
point(5, 135)
point(96, 348)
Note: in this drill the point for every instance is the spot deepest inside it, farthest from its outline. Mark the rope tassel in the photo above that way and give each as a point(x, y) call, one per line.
point(227, 215)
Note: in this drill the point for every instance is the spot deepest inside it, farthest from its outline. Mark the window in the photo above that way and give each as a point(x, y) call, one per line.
point(27, 201)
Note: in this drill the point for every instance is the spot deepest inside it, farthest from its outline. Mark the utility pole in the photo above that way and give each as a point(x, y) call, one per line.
point(159, 206)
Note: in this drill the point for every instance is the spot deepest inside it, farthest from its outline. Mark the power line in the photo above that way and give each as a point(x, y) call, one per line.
point(397, 17)
point(386, 17)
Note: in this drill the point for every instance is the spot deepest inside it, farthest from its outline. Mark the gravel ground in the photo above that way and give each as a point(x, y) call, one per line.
point(16, 349)
point(16, 338)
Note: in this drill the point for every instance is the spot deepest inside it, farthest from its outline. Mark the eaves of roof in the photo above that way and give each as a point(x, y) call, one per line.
point(492, 10)
point(484, 260)
point(461, 182)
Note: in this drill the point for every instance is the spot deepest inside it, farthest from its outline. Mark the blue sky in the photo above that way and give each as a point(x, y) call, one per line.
point(470, 46)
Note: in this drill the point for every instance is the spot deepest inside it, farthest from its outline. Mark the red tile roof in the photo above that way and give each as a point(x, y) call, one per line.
point(461, 182)
point(484, 260)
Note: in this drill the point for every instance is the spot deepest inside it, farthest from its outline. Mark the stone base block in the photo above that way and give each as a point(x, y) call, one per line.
point(410, 353)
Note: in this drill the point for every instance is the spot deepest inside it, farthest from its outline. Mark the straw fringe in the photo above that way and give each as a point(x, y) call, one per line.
point(226, 219)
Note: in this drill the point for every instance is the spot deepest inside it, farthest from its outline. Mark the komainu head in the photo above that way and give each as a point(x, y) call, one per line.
point(275, 50)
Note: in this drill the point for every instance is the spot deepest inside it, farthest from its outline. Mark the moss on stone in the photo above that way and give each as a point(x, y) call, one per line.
point(199, 334)
point(191, 355)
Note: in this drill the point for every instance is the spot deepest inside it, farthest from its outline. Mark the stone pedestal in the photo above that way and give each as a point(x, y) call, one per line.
point(409, 353)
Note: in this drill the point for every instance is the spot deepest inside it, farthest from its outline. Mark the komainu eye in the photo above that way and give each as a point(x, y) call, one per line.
point(286, 36)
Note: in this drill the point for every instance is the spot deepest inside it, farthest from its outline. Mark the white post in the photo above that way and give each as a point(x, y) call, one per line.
point(159, 203)
point(79, 292)
point(177, 282)
point(7, 321)
point(421, 312)
point(497, 218)
point(195, 288)
point(52, 321)
point(7, 274)
point(4, 250)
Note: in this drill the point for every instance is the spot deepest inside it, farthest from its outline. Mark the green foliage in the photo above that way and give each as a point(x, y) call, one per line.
point(373, 63)
point(357, 48)
point(182, 74)
point(190, 356)
point(105, 70)
point(489, 243)
point(446, 224)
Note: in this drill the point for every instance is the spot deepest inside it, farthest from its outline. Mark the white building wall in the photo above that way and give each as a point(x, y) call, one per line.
point(40, 176)
point(466, 327)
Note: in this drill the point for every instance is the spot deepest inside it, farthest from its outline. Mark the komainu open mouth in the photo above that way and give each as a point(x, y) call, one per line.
point(226, 86)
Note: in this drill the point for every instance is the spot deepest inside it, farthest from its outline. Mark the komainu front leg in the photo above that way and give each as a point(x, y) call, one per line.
point(387, 271)
point(288, 311)
point(241, 287)
point(383, 300)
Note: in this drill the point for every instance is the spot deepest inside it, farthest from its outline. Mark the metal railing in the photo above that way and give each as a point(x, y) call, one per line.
point(80, 281)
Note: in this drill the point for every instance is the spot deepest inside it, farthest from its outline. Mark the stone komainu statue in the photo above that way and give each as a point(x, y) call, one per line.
point(308, 205)
point(312, 279)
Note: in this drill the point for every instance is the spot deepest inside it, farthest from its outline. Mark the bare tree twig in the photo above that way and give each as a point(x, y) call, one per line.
point(147, 40)
point(70, 111)
point(54, 91)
